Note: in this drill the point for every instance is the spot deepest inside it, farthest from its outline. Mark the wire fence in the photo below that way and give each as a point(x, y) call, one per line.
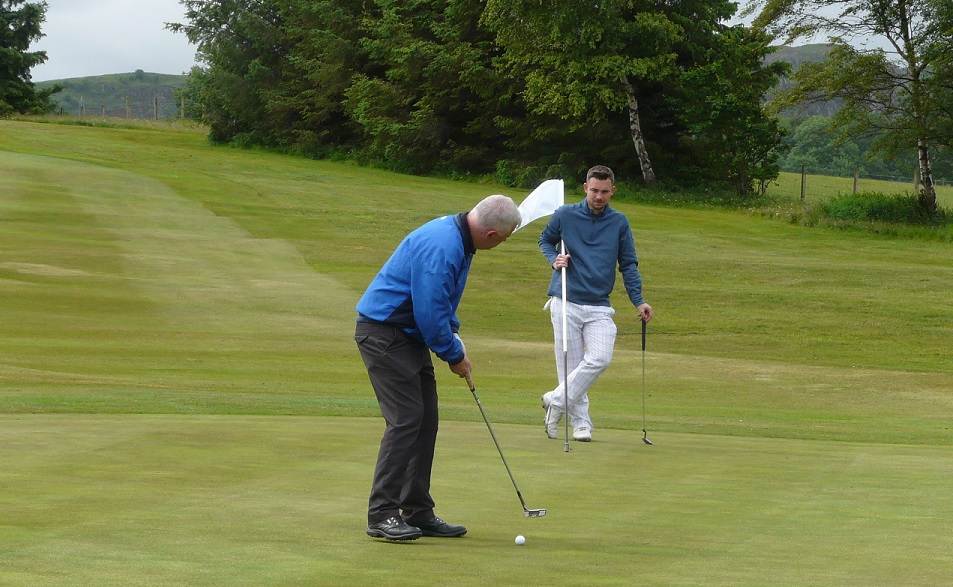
point(861, 174)
point(814, 179)
point(160, 106)
point(813, 183)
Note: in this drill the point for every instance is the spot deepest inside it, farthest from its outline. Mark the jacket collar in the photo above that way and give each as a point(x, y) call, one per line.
point(464, 227)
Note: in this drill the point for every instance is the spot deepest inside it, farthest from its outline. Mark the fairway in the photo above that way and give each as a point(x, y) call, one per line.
point(181, 400)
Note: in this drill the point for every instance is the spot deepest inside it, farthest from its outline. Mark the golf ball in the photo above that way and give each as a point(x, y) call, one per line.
point(520, 539)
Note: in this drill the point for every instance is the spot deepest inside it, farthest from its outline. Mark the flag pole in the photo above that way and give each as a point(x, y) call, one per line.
point(543, 201)
point(562, 246)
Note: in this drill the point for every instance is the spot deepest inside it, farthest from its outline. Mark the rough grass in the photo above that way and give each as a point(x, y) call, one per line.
point(880, 207)
point(116, 122)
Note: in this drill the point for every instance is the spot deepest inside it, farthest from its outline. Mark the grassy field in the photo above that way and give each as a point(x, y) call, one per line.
point(181, 401)
point(821, 187)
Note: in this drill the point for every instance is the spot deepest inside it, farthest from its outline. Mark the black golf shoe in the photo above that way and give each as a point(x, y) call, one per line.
point(394, 528)
point(439, 528)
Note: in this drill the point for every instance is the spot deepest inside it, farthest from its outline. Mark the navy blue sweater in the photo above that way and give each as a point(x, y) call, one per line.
point(595, 243)
point(419, 288)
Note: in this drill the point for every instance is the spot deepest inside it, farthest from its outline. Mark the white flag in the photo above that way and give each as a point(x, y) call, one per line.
point(542, 201)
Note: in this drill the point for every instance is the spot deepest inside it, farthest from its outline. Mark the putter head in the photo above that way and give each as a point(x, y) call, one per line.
point(645, 438)
point(534, 513)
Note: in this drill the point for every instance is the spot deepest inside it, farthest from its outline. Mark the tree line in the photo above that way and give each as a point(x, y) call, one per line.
point(523, 89)
point(813, 143)
point(530, 89)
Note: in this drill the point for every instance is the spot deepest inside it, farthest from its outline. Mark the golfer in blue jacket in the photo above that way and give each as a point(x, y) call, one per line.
point(597, 239)
point(409, 310)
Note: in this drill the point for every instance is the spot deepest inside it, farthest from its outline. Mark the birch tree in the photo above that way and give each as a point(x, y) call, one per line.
point(582, 61)
point(898, 91)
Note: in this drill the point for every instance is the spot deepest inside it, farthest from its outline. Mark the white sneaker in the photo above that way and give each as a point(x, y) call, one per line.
point(582, 434)
point(551, 421)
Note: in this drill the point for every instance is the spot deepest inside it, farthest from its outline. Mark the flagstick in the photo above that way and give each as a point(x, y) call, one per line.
point(562, 246)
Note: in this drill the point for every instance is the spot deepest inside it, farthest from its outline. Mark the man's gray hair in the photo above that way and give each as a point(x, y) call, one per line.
point(498, 213)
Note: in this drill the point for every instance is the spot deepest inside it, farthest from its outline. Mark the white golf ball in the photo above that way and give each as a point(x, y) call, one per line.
point(520, 539)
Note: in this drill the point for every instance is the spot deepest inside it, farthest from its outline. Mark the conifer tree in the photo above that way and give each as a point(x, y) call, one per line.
point(19, 27)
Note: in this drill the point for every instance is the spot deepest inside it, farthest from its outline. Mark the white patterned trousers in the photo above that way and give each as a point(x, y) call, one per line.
point(591, 339)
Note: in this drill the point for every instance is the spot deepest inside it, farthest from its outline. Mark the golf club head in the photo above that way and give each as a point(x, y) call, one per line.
point(645, 438)
point(534, 513)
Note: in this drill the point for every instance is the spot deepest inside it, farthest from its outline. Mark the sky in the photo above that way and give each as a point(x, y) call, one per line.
point(96, 37)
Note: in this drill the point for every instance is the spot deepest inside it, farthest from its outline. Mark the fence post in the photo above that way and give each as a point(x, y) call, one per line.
point(156, 107)
point(182, 111)
point(82, 106)
point(856, 177)
point(803, 182)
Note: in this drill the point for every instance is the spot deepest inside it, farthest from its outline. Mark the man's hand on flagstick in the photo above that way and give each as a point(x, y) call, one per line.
point(560, 262)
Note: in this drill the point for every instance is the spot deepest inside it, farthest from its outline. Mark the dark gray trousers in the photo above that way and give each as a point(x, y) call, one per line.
point(401, 372)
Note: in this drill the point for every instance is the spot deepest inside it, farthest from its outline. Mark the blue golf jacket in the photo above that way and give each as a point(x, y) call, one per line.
point(419, 288)
point(595, 243)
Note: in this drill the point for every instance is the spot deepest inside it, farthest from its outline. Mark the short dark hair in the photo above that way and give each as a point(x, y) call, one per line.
point(600, 172)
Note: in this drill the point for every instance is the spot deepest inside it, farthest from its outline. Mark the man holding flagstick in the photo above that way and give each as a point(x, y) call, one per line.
point(548, 197)
point(596, 238)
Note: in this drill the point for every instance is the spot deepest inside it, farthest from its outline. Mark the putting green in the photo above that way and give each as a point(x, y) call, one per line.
point(146, 500)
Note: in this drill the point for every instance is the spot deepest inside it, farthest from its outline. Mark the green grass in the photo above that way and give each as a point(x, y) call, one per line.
point(211, 500)
point(181, 401)
point(831, 204)
point(822, 187)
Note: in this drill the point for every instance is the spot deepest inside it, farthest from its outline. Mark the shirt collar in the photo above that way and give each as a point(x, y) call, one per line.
point(588, 210)
point(464, 227)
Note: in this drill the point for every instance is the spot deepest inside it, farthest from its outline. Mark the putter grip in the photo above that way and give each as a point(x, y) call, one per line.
point(643, 335)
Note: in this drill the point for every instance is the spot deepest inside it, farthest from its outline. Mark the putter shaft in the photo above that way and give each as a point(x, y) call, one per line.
point(529, 513)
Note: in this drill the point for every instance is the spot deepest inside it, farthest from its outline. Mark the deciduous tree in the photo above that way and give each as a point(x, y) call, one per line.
point(583, 61)
point(899, 92)
point(719, 101)
point(688, 83)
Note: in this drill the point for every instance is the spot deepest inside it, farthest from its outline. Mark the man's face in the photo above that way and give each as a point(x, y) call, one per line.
point(598, 193)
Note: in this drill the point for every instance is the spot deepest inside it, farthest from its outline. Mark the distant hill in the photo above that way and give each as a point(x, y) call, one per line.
point(800, 54)
point(129, 95)
point(797, 56)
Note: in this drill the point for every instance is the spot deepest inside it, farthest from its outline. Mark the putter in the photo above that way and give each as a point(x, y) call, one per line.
point(528, 512)
point(645, 435)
